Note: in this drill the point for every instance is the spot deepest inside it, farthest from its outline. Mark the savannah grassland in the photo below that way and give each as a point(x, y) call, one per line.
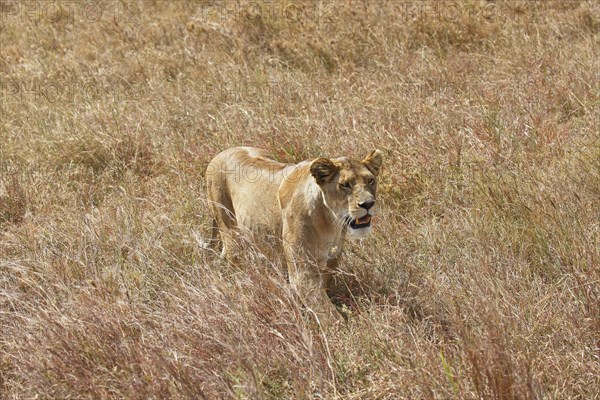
point(481, 280)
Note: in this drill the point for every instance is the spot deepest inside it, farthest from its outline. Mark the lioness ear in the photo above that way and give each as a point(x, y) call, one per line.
point(323, 169)
point(373, 161)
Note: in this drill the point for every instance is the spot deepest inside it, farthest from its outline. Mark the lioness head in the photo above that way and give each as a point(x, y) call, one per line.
point(349, 189)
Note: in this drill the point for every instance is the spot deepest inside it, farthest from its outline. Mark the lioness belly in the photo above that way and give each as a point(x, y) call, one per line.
point(256, 212)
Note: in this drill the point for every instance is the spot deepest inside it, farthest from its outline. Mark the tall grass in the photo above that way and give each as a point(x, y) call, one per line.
point(481, 279)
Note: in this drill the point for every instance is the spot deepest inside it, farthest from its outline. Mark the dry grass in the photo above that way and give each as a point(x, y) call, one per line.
point(481, 280)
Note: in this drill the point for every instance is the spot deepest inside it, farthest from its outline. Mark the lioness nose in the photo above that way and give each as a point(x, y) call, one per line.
point(366, 205)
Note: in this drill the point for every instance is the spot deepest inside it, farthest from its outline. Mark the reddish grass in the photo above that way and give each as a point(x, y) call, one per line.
point(481, 279)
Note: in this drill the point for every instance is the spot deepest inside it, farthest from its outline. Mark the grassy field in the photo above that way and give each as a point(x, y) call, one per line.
point(481, 279)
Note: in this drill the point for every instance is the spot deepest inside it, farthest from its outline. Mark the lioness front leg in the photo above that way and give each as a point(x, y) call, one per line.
point(311, 286)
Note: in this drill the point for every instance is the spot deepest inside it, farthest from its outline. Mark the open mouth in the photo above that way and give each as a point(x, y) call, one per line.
point(361, 222)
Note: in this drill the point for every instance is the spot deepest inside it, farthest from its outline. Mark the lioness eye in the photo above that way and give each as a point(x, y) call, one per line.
point(345, 185)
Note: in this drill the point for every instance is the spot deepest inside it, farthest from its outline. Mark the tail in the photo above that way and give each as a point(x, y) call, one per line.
point(215, 242)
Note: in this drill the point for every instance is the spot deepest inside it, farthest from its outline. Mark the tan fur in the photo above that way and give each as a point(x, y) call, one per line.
point(305, 207)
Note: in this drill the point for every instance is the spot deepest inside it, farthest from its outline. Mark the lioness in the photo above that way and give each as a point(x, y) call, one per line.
point(307, 207)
